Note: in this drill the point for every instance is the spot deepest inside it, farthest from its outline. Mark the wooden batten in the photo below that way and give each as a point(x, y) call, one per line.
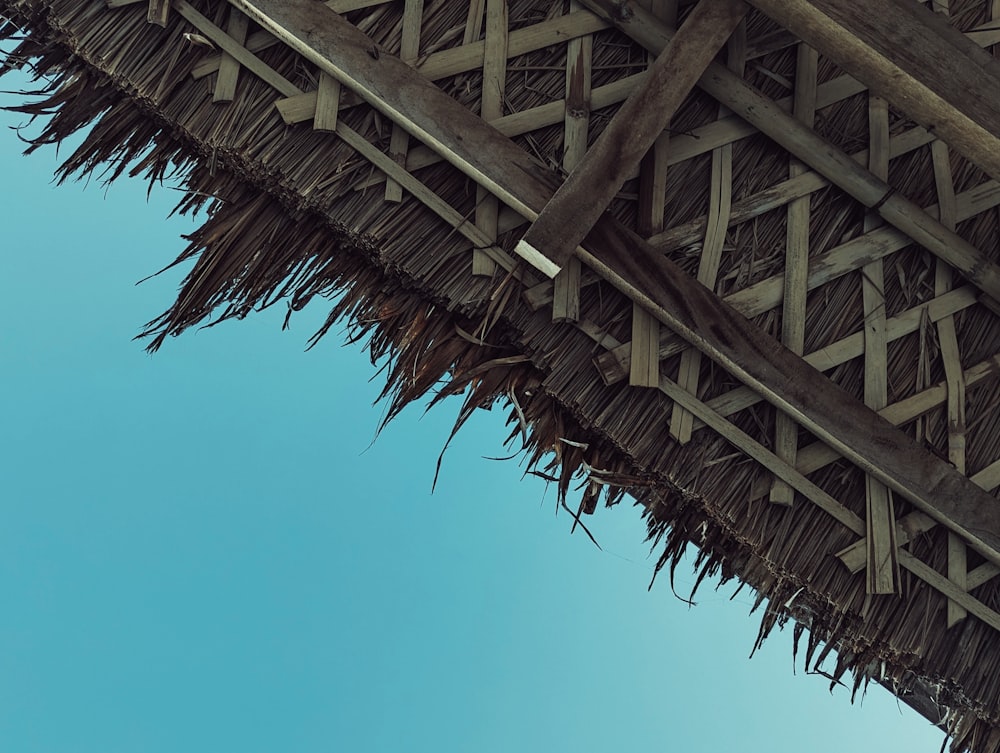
point(576, 130)
point(644, 364)
point(796, 280)
point(491, 108)
point(229, 67)
point(327, 103)
point(882, 571)
point(719, 211)
point(413, 12)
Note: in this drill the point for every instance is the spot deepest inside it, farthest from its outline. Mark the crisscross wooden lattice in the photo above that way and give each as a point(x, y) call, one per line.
point(845, 217)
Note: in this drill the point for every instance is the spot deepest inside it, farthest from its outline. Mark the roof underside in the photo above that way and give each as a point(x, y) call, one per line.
point(778, 333)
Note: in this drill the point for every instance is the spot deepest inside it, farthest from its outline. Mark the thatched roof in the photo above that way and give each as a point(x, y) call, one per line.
point(877, 536)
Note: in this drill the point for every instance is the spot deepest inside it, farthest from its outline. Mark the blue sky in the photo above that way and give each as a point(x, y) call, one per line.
point(202, 550)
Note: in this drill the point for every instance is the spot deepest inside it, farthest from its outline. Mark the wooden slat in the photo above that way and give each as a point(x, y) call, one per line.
point(882, 563)
point(589, 189)
point(948, 341)
point(491, 108)
point(889, 47)
point(229, 67)
point(644, 364)
point(644, 368)
point(822, 156)
point(413, 14)
point(719, 207)
point(631, 266)
point(653, 168)
point(327, 103)
point(576, 129)
point(796, 282)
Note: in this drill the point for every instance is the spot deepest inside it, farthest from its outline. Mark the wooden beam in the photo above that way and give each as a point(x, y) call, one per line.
point(636, 270)
point(914, 58)
point(822, 156)
point(632, 131)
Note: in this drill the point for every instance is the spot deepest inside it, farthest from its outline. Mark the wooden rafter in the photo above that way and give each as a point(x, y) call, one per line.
point(888, 46)
point(586, 193)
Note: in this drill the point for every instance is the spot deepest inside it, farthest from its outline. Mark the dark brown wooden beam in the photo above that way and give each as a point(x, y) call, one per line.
point(632, 266)
point(620, 148)
point(912, 57)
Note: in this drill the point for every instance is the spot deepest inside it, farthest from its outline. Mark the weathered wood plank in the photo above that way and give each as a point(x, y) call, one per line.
point(629, 264)
point(586, 193)
point(950, 355)
point(889, 48)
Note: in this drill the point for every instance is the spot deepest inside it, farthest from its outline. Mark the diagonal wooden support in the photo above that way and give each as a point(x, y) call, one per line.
point(635, 269)
point(826, 159)
point(888, 47)
point(628, 137)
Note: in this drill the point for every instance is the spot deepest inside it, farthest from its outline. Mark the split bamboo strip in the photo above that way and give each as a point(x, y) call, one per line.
point(796, 282)
point(327, 103)
point(951, 357)
point(719, 204)
point(576, 127)
point(882, 565)
point(491, 108)
point(229, 67)
point(413, 13)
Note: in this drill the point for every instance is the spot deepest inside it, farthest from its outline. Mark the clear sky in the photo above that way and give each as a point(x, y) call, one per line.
point(203, 551)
